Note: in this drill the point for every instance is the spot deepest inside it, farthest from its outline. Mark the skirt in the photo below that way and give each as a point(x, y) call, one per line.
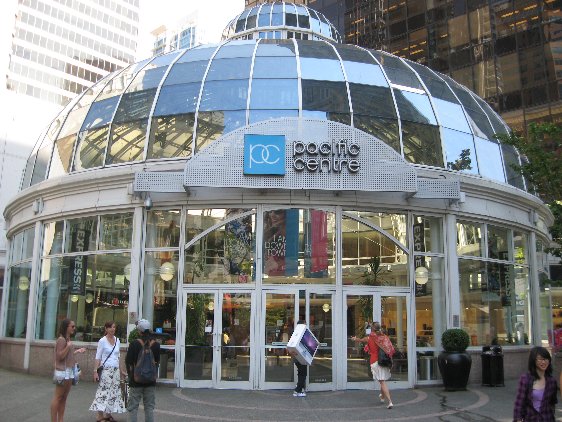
point(380, 373)
point(108, 395)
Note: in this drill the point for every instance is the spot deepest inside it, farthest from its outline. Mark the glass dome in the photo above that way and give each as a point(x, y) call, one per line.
point(171, 106)
point(281, 20)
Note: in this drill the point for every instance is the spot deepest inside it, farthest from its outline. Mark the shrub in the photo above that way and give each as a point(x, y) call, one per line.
point(455, 340)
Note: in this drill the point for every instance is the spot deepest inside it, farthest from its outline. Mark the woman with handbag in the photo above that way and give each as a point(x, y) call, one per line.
point(377, 341)
point(64, 368)
point(108, 372)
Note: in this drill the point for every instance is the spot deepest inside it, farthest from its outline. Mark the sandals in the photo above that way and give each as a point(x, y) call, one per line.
point(107, 418)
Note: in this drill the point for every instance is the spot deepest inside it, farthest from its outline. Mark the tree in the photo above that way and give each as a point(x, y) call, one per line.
point(543, 170)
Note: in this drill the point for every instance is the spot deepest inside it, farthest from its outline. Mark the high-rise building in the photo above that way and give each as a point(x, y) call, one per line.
point(50, 51)
point(185, 34)
point(504, 50)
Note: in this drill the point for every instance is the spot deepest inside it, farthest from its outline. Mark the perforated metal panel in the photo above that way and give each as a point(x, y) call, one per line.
point(153, 181)
point(438, 188)
point(381, 168)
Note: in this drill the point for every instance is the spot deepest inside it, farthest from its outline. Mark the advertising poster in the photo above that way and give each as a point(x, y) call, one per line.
point(80, 239)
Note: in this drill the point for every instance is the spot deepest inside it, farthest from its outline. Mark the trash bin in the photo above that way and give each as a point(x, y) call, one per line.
point(492, 366)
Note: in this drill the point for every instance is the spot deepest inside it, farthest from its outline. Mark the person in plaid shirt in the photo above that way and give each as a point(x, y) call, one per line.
point(536, 395)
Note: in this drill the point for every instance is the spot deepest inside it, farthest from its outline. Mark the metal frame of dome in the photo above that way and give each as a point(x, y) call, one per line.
point(307, 24)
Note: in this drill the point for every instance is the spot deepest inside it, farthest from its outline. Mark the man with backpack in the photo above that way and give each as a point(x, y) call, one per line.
point(143, 357)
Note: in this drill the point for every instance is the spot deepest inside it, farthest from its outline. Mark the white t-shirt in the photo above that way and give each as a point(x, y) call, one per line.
point(104, 349)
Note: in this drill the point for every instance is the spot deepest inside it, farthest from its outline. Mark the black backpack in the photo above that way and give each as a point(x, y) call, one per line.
point(146, 369)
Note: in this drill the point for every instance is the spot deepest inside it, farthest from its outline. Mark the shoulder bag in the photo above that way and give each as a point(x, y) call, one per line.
point(100, 368)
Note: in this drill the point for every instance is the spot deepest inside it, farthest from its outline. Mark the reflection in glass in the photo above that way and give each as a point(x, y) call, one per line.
point(451, 115)
point(384, 129)
point(261, 115)
point(321, 308)
point(459, 149)
point(231, 68)
point(422, 144)
point(298, 246)
point(275, 67)
point(489, 158)
point(324, 96)
point(236, 341)
point(211, 125)
point(469, 239)
point(127, 142)
point(91, 148)
point(18, 300)
point(224, 95)
point(81, 234)
point(321, 69)
point(511, 164)
point(225, 255)
point(428, 234)
point(184, 73)
point(163, 229)
point(199, 326)
point(431, 315)
point(498, 243)
point(520, 247)
point(364, 73)
point(116, 231)
point(279, 326)
point(359, 315)
point(62, 156)
point(414, 107)
point(372, 101)
point(171, 136)
point(274, 94)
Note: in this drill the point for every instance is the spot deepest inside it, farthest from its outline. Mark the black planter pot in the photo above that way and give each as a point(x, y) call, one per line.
point(455, 369)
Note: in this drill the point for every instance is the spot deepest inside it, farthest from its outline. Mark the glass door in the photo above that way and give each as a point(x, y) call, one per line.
point(217, 332)
point(392, 311)
point(281, 311)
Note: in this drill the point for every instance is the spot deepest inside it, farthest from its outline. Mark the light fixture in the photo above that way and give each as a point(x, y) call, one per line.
point(422, 275)
point(148, 202)
point(23, 283)
point(167, 271)
point(127, 271)
point(89, 298)
point(211, 305)
point(74, 298)
point(326, 307)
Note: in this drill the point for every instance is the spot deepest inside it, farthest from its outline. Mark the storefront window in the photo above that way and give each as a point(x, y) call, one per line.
point(428, 234)
point(225, 255)
point(18, 300)
point(298, 246)
point(81, 234)
point(497, 243)
point(200, 220)
point(163, 229)
point(116, 231)
point(430, 307)
point(393, 224)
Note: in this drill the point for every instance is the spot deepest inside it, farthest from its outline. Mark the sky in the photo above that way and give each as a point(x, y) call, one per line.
point(215, 14)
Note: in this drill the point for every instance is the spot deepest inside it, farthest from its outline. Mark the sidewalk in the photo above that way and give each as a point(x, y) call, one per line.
point(27, 398)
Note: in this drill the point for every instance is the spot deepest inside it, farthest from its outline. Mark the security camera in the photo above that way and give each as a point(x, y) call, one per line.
point(148, 203)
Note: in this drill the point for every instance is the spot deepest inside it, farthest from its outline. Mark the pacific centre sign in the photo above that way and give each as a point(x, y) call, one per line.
point(266, 155)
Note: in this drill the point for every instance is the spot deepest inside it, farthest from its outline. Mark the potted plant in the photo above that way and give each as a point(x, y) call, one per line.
point(454, 362)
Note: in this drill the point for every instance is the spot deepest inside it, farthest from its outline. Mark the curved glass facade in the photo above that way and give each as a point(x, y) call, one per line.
point(176, 104)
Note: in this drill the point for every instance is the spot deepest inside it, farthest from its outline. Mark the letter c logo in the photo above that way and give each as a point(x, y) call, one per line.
point(264, 154)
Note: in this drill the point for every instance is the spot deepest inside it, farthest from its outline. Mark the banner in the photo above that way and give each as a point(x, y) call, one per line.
point(419, 261)
point(80, 239)
point(317, 245)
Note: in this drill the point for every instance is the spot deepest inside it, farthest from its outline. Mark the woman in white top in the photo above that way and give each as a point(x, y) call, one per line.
point(108, 398)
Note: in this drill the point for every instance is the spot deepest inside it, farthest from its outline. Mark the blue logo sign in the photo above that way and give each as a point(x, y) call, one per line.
point(264, 154)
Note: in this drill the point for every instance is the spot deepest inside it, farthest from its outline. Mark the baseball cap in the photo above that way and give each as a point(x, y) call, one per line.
point(143, 325)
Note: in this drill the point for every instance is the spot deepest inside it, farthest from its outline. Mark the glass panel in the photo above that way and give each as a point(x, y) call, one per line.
point(22, 245)
point(225, 255)
point(231, 68)
point(224, 95)
point(384, 129)
point(200, 220)
point(397, 71)
point(81, 234)
point(422, 144)
point(279, 326)
point(62, 156)
point(171, 136)
point(97, 294)
point(274, 94)
point(489, 159)
point(264, 18)
point(520, 252)
point(324, 96)
point(459, 150)
point(372, 101)
point(183, 73)
point(127, 142)
point(394, 321)
point(298, 246)
point(393, 224)
point(177, 99)
point(163, 229)
point(236, 48)
point(494, 303)
point(363, 73)
point(53, 237)
point(428, 234)
point(18, 300)
point(414, 107)
point(275, 67)
point(359, 315)
point(118, 84)
point(276, 48)
point(134, 106)
point(160, 284)
point(320, 316)
point(261, 115)
point(321, 69)
point(369, 258)
point(469, 239)
point(151, 75)
point(430, 308)
point(91, 148)
point(199, 326)
point(212, 125)
point(116, 231)
point(100, 113)
point(498, 243)
point(451, 115)
point(236, 341)
point(511, 160)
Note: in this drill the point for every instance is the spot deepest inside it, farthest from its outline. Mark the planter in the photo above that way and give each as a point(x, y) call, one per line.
point(455, 369)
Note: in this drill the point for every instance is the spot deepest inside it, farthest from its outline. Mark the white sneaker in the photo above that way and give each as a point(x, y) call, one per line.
point(295, 394)
point(303, 394)
point(390, 405)
point(381, 398)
